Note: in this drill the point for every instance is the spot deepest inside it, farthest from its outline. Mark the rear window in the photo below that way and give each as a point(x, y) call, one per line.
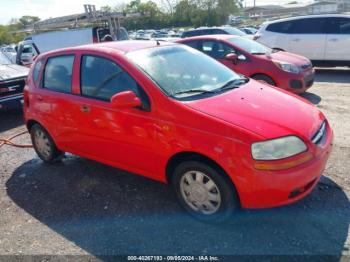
point(58, 73)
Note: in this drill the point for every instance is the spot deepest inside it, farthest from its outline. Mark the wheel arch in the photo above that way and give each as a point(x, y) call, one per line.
point(180, 157)
point(264, 74)
point(31, 122)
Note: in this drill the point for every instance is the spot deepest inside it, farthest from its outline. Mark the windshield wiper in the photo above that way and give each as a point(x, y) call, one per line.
point(232, 84)
point(201, 91)
point(258, 53)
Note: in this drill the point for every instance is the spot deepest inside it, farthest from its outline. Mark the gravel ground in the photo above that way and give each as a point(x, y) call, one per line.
point(80, 207)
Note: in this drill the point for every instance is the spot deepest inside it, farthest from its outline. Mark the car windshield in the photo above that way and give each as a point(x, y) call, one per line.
point(250, 46)
point(234, 31)
point(181, 71)
point(4, 60)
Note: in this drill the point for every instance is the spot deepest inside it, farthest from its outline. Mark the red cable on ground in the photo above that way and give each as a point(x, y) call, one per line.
point(7, 141)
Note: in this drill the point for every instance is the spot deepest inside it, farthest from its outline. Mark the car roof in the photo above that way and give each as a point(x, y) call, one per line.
point(212, 37)
point(119, 46)
point(306, 16)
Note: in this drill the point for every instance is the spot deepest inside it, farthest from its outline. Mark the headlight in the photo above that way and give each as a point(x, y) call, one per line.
point(278, 148)
point(287, 67)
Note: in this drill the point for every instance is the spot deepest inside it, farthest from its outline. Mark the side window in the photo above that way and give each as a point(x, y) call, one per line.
point(36, 71)
point(58, 73)
point(344, 26)
point(281, 27)
point(309, 26)
point(220, 32)
point(207, 46)
point(338, 25)
point(216, 49)
point(101, 78)
point(193, 44)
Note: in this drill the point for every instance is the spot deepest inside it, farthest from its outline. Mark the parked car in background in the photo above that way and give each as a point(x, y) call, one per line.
point(10, 53)
point(288, 71)
point(12, 81)
point(33, 45)
point(324, 39)
point(168, 112)
point(225, 30)
point(249, 30)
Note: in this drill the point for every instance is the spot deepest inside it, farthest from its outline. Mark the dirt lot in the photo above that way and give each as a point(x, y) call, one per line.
point(83, 207)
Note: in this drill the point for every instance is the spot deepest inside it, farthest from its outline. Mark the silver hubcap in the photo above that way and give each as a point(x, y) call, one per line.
point(200, 192)
point(42, 143)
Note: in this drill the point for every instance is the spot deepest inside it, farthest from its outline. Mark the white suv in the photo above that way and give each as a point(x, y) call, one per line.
point(324, 39)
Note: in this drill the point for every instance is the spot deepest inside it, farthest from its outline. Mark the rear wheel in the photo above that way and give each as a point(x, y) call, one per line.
point(204, 192)
point(44, 145)
point(264, 79)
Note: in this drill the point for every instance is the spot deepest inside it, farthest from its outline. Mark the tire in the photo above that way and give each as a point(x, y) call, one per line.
point(194, 199)
point(44, 145)
point(264, 79)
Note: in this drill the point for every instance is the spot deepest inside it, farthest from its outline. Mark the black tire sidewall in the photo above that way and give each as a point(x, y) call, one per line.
point(229, 199)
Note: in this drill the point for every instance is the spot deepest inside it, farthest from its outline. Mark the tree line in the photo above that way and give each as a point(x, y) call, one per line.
point(170, 13)
point(177, 13)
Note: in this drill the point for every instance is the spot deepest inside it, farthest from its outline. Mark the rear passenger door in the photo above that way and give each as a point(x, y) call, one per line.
point(308, 38)
point(54, 101)
point(338, 39)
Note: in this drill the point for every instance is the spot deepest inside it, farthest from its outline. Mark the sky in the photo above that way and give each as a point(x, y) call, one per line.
point(54, 8)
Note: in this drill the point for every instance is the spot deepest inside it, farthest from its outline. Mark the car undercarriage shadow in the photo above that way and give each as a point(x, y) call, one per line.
point(11, 118)
point(311, 97)
point(106, 211)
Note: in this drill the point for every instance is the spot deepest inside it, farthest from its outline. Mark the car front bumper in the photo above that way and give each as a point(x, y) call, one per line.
point(280, 187)
point(297, 83)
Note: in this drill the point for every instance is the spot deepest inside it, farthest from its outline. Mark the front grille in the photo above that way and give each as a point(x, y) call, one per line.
point(320, 134)
point(11, 87)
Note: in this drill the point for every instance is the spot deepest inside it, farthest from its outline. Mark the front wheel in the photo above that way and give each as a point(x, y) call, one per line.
point(204, 192)
point(44, 145)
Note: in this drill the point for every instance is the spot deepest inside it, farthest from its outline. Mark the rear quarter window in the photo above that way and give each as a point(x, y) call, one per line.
point(58, 73)
point(36, 71)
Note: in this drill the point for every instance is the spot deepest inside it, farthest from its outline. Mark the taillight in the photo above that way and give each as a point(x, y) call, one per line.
point(25, 98)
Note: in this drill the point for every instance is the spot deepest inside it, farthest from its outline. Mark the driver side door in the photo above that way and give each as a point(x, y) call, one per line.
point(122, 137)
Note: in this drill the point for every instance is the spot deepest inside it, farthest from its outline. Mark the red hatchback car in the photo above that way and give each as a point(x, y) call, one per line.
point(169, 112)
point(285, 70)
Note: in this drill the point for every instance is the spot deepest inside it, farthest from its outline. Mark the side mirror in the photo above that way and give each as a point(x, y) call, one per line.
point(232, 57)
point(125, 99)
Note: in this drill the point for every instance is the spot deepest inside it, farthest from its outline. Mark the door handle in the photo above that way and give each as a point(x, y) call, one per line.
point(296, 40)
point(84, 108)
point(334, 40)
point(40, 98)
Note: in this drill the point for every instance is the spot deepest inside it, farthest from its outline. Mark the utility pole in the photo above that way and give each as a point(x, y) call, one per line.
point(254, 3)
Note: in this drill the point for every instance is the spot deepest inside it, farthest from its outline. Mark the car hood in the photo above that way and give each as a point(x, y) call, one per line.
point(263, 110)
point(12, 71)
point(289, 58)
